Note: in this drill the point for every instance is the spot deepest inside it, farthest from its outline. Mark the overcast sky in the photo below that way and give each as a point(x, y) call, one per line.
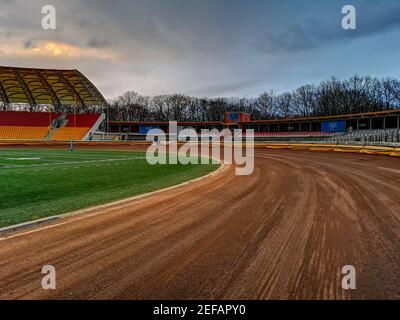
point(203, 47)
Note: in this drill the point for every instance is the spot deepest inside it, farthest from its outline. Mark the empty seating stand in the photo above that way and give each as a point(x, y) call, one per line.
point(300, 134)
point(25, 125)
point(16, 125)
point(76, 128)
point(23, 133)
point(66, 133)
point(368, 136)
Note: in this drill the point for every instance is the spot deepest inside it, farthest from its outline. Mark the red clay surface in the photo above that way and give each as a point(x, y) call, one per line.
point(284, 232)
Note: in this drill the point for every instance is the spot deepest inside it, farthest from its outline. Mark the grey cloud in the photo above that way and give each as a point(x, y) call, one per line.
point(30, 44)
point(224, 89)
point(97, 43)
point(7, 34)
point(203, 47)
point(311, 34)
point(84, 24)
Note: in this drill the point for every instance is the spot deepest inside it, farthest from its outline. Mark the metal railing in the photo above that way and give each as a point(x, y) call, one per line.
point(367, 136)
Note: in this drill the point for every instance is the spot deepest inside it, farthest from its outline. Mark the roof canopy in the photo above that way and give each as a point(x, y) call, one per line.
point(47, 86)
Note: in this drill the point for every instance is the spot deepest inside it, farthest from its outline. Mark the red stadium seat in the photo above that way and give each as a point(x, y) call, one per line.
point(77, 127)
point(85, 120)
point(15, 125)
point(27, 119)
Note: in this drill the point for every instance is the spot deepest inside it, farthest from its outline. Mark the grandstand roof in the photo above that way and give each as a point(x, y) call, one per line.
point(47, 86)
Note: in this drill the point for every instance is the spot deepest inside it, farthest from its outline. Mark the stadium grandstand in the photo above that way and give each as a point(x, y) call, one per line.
point(364, 127)
point(46, 91)
point(49, 126)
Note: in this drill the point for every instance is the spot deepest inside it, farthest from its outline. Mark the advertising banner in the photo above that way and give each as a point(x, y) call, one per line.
point(333, 126)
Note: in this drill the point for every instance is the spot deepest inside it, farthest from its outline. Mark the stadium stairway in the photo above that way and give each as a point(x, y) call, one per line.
point(78, 127)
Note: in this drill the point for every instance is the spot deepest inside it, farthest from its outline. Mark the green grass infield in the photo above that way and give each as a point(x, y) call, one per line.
point(38, 183)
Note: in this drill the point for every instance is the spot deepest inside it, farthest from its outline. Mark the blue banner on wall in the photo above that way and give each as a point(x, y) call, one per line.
point(146, 129)
point(234, 117)
point(333, 126)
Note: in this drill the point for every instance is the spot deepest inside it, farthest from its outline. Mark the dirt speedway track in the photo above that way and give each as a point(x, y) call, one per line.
point(284, 232)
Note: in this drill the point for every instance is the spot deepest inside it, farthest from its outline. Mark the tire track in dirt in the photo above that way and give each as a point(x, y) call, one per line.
point(284, 232)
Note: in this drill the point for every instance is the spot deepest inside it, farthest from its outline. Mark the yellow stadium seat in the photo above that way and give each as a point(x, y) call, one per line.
point(66, 134)
point(23, 133)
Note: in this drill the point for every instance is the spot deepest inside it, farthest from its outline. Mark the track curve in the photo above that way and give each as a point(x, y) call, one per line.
point(284, 232)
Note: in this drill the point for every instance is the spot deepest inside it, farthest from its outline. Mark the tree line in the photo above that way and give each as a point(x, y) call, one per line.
point(331, 97)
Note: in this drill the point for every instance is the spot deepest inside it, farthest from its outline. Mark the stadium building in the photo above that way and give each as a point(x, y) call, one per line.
point(52, 90)
point(374, 127)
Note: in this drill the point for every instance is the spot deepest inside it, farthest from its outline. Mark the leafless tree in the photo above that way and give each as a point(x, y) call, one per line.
point(330, 97)
point(266, 106)
point(304, 101)
point(283, 104)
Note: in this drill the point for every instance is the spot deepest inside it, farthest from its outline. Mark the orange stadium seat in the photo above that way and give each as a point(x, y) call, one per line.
point(68, 133)
point(19, 125)
point(16, 125)
point(77, 127)
point(19, 132)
